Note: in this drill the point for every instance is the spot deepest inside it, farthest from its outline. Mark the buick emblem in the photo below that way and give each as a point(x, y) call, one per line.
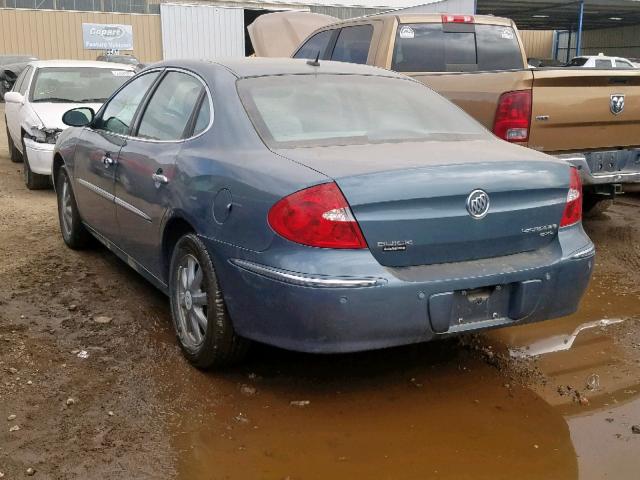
point(478, 204)
point(617, 103)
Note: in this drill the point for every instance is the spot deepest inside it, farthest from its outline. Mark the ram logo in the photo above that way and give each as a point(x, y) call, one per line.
point(617, 104)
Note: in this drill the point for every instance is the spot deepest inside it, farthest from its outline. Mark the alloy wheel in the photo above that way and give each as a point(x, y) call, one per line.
point(192, 302)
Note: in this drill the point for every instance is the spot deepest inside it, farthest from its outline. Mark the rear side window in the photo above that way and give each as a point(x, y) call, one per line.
point(623, 64)
point(315, 46)
point(353, 44)
point(170, 107)
point(433, 47)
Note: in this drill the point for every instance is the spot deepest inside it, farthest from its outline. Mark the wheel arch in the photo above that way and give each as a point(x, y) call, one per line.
point(175, 228)
point(58, 163)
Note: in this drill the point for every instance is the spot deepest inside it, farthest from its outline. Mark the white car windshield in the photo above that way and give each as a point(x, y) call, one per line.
point(77, 84)
point(317, 110)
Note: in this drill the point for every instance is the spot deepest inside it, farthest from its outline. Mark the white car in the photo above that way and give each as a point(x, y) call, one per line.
point(601, 62)
point(43, 92)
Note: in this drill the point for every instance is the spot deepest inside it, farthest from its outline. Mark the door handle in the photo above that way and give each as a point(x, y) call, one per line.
point(107, 161)
point(159, 179)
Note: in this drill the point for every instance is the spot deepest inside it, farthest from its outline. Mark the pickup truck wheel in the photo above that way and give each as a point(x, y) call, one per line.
point(593, 206)
point(14, 154)
point(74, 234)
point(198, 310)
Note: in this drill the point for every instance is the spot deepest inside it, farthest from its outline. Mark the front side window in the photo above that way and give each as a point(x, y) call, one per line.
point(77, 84)
point(170, 108)
point(603, 64)
point(353, 44)
point(434, 47)
point(119, 112)
point(577, 62)
point(21, 83)
point(323, 110)
point(316, 46)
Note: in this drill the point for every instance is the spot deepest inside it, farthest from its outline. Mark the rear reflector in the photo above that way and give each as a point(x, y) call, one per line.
point(318, 216)
point(457, 19)
point(513, 116)
point(573, 210)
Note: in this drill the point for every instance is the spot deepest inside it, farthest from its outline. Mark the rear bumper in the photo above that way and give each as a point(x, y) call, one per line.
point(396, 306)
point(607, 167)
point(40, 156)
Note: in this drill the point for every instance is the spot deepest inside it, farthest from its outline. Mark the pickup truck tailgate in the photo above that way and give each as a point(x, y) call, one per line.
point(572, 110)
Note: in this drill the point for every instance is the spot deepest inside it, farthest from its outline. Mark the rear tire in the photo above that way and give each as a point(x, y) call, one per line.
point(199, 314)
point(33, 181)
point(14, 154)
point(74, 233)
point(594, 206)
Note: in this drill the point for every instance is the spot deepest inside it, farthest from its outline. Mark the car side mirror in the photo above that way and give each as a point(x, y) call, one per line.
point(13, 97)
point(78, 117)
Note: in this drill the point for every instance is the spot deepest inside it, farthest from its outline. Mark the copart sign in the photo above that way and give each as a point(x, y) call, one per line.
point(100, 36)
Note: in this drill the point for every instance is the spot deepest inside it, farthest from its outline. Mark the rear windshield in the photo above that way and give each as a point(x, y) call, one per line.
point(77, 84)
point(321, 110)
point(437, 47)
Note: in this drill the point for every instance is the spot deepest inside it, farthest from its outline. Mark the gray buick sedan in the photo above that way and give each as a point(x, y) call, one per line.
point(318, 207)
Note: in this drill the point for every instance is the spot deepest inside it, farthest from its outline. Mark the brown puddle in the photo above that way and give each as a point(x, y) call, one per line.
point(594, 355)
point(427, 411)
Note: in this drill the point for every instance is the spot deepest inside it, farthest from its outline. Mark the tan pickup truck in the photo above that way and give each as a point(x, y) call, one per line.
point(589, 117)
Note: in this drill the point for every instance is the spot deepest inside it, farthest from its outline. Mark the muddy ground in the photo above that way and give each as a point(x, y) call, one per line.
point(555, 400)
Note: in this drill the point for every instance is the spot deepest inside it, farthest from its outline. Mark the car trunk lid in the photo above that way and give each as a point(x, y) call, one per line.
point(410, 199)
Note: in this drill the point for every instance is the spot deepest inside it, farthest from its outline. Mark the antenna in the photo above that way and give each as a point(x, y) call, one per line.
point(314, 63)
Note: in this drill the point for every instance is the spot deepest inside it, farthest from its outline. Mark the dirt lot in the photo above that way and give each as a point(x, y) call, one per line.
point(91, 376)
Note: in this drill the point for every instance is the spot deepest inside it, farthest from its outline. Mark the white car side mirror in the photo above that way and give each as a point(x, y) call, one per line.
point(13, 97)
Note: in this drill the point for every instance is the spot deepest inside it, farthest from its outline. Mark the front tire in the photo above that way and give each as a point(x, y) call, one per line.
point(33, 181)
point(74, 234)
point(14, 154)
point(199, 314)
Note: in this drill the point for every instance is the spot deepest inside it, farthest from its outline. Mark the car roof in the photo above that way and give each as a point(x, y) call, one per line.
point(259, 67)
point(79, 63)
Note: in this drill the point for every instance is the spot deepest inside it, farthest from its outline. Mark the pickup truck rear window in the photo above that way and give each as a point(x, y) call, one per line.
point(428, 47)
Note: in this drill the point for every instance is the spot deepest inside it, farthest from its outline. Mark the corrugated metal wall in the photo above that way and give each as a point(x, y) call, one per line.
point(620, 41)
point(57, 34)
point(538, 43)
point(201, 31)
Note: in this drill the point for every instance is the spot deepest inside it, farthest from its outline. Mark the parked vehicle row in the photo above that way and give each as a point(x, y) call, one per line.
point(287, 201)
point(588, 117)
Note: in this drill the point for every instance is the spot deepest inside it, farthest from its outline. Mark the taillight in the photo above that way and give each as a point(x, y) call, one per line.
point(318, 216)
point(573, 209)
point(457, 19)
point(513, 116)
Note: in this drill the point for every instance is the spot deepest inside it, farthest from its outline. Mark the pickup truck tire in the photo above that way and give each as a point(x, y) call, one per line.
point(593, 206)
point(14, 154)
point(200, 318)
point(74, 233)
point(33, 181)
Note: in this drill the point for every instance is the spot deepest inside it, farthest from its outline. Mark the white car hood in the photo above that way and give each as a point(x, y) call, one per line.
point(50, 114)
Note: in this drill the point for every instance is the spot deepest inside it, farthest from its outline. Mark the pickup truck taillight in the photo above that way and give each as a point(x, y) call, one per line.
point(513, 116)
point(573, 209)
point(318, 216)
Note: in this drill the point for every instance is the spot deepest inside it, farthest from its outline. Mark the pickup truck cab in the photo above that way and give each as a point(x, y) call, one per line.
point(589, 117)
